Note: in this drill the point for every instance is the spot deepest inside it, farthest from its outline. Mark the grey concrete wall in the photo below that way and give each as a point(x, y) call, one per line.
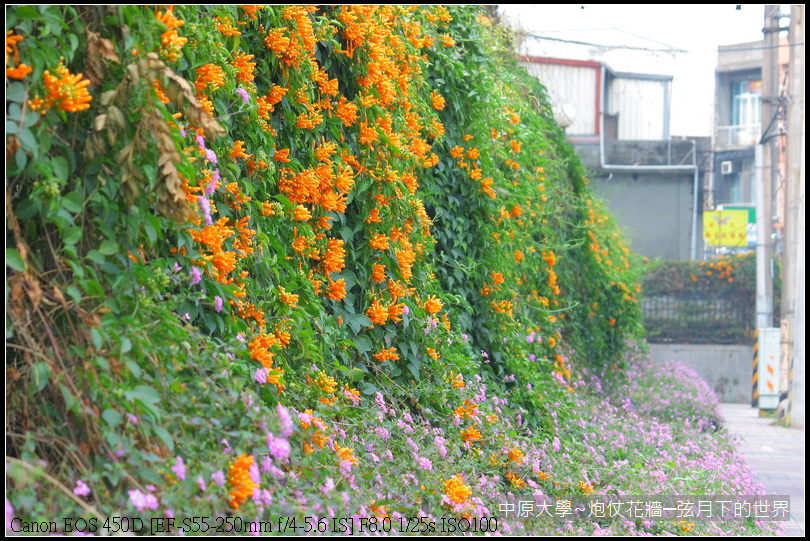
point(655, 211)
point(726, 368)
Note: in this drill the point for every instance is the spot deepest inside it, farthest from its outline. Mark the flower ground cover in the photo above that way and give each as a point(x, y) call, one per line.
point(270, 264)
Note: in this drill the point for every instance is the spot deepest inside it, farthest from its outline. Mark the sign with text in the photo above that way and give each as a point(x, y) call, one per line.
point(728, 227)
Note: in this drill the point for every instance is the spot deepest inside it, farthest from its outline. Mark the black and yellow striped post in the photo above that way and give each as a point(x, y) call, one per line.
point(755, 372)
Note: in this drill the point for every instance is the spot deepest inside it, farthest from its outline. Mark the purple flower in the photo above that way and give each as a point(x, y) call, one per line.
point(143, 501)
point(279, 447)
point(241, 337)
point(328, 486)
point(261, 375)
point(177, 267)
point(205, 205)
point(285, 423)
point(211, 156)
point(201, 482)
point(218, 478)
point(196, 276)
point(218, 304)
point(81, 488)
point(132, 419)
point(179, 468)
point(212, 184)
point(406, 310)
point(244, 94)
point(201, 142)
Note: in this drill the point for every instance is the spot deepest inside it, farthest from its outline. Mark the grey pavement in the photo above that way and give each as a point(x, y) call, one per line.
point(775, 453)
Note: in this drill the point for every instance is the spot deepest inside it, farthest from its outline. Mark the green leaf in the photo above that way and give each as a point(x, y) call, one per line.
point(369, 388)
point(108, 247)
point(356, 375)
point(363, 344)
point(14, 260)
point(72, 202)
point(60, 168)
point(95, 338)
point(165, 437)
point(40, 373)
point(72, 235)
point(144, 393)
point(27, 141)
point(112, 417)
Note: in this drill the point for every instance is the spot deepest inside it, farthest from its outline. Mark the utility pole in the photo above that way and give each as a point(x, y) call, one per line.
point(793, 259)
point(765, 207)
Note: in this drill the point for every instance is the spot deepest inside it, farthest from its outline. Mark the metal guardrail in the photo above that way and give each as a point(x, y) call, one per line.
point(738, 136)
point(695, 319)
point(648, 153)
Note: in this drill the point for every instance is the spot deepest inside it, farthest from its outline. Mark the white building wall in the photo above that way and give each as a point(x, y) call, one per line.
point(572, 85)
point(640, 106)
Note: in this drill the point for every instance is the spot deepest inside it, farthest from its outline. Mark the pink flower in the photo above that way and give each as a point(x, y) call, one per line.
point(279, 447)
point(201, 483)
point(218, 478)
point(81, 489)
point(179, 468)
point(218, 304)
point(143, 501)
point(196, 276)
point(285, 423)
point(243, 94)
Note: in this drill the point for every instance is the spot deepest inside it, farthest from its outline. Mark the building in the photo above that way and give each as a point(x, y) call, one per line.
point(738, 128)
point(619, 122)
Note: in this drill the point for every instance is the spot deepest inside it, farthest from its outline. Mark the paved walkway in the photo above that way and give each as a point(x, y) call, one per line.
point(775, 453)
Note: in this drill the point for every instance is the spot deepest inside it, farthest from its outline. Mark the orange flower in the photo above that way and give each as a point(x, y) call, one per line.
point(282, 155)
point(433, 305)
point(11, 46)
point(471, 435)
point(456, 490)
point(239, 151)
point(242, 485)
point(377, 313)
point(288, 298)
point(446, 40)
point(226, 27)
point(209, 76)
point(66, 91)
point(437, 101)
point(301, 214)
point(515, 454)
point(346, 112)
point(19, 72)
point(337, 290)
point(333, 259)
point(379, 242)
point(244, 66)
point(389, 354)
point(378, 274)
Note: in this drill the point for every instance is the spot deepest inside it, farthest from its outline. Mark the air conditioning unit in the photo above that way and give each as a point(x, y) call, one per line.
point(727, 167)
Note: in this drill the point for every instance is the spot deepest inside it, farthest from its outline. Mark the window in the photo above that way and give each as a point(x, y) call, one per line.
point(746, 103)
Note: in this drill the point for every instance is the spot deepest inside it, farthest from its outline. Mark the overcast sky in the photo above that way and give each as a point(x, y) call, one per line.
point(697, 29)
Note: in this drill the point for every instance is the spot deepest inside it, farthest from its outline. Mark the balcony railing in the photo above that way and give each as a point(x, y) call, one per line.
point(738, 136)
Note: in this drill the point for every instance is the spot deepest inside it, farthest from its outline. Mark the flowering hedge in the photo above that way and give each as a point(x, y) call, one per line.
point(231, 228)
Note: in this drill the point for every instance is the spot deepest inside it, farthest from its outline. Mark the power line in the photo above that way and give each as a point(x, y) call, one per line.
point(608, 47)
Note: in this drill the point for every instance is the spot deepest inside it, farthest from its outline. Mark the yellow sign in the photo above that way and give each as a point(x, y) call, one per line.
point(725, 227)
